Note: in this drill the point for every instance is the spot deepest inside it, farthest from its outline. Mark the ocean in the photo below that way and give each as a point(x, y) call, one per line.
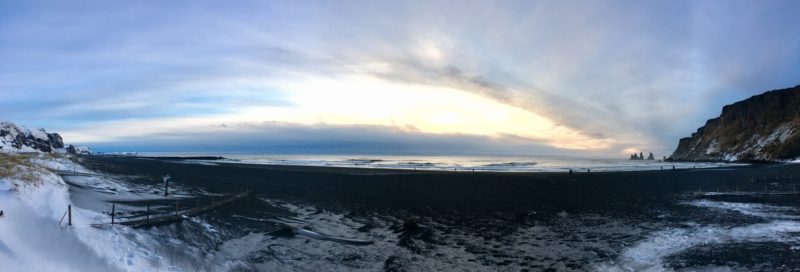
point(538, 163)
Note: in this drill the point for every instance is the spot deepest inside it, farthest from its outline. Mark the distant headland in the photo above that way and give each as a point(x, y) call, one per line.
point(764, 127)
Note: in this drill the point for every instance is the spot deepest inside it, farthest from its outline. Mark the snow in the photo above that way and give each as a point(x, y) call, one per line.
point(31, 241)
point(83, 150)
point(730, 157)
point(315, 254)
point(713, 147)
point(757, 142)
point(8, 148)
point(14, 130)
point(31, 238)
point(649, 254)
point(37, 133)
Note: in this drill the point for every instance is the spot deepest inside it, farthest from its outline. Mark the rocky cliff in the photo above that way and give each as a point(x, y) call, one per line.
point(764, 127)
point(14, 138)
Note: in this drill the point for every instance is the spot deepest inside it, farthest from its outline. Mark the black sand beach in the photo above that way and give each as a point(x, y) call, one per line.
point(480, 221)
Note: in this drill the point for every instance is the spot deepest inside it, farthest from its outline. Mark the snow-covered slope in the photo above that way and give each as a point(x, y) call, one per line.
point(33, 199)
point(35, 236)
point(15, 138)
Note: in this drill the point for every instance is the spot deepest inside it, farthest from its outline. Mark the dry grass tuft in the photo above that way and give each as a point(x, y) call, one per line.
point(18, 166)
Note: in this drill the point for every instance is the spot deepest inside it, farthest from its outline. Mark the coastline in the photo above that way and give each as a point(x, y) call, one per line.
point(382, 182)
point(499, 208)
point(536, 164)
point(368, 219)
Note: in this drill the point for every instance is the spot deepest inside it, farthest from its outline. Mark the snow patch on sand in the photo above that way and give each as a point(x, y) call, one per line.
point(568, 244)
point(751, 209)
point(650, 253)
point(265, 252)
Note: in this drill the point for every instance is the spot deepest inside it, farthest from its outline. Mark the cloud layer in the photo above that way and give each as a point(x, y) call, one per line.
point(593, 76)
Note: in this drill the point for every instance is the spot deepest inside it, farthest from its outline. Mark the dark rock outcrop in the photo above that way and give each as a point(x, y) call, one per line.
point(16, 138)
point(764, 127)
point(71, 149)
point(641, 156)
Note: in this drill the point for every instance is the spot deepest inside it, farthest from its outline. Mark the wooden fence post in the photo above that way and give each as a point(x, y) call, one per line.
point(166, 186)
point(69, 213)
point(113, 210)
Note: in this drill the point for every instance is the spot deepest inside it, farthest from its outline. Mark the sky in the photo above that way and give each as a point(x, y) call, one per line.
point(595, 78)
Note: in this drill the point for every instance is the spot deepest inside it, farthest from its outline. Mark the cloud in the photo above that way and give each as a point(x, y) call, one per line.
point(628, 74)
point(275, 137)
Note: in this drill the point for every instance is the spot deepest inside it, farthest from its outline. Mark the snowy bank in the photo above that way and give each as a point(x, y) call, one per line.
point(33, 236)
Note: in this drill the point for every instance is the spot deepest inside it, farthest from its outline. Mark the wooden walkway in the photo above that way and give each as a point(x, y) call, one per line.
point(166, 218)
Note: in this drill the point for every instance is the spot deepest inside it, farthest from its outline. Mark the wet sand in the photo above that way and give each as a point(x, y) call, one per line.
point(459, 194)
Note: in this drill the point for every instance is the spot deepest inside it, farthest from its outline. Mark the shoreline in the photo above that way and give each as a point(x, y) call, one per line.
point(577, 170)
point(336, 183)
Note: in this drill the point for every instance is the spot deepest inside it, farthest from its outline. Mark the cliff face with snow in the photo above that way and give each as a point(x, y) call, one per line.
point(764, 127)
point(14, 138)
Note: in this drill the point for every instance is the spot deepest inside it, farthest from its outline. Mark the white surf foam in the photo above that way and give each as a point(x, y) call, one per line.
point(455, 163)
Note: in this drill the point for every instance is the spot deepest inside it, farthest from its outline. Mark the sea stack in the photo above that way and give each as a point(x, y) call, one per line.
point(640, 156)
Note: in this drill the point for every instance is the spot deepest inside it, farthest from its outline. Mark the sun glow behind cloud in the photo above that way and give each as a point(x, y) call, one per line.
point(365, 100)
